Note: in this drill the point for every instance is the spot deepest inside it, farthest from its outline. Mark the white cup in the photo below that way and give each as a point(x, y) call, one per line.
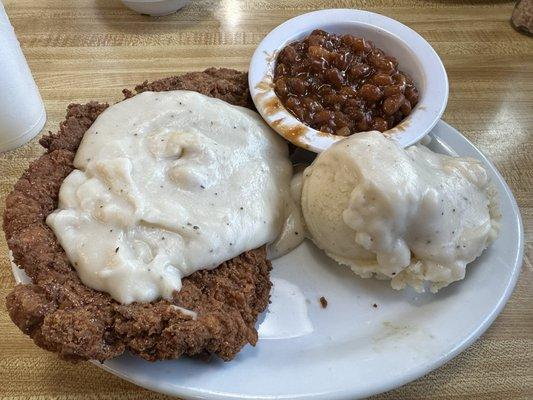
point(22, 114)
point(156, 8)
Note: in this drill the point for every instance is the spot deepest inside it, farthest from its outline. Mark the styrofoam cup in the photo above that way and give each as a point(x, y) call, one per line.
point(22, 114)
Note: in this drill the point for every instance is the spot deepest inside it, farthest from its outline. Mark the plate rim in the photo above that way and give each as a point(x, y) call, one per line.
point(354, 392)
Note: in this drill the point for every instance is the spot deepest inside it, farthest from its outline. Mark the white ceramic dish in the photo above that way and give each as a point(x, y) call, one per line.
point(155, 8)
point(415, 56)
point(350, 349)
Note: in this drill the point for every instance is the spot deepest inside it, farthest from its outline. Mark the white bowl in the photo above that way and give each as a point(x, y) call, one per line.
point(415, 56)
point(156, 8)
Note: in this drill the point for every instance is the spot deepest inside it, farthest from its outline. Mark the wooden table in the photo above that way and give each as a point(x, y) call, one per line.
point(91, 49)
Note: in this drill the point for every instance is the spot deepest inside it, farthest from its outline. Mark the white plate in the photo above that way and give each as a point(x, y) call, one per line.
point(350, 349)
point(415, 55)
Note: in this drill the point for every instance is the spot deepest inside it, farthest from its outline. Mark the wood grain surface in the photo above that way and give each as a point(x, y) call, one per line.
point(84, 50)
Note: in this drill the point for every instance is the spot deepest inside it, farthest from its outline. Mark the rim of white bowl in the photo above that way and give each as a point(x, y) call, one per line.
point(156, 1)
point(425, 115)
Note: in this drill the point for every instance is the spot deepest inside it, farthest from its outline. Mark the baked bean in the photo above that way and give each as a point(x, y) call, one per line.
point(370, 92)
point(348, 91)
point(289, 55)
point(379, 124)
point(347, 39)
point(311, 105)
point(393, 60)
point(333, 100)
point(300, 113)
point(341, 61)
point(405, 108)
point(342, 84)
point(334, 77)
point(363, 124)
point(280, 70)
point(411, 93)
point(320, 32)
point(399, 79)
point(280, 86)
point(326, 128)
point(322, 117)
point(318, 53)
point(381, 79)
point(392, 90)
point(292, 102)
point(398, 117)
point(360, 45)
point(356, 103)
point(358, 71)
point(375, 60)
point(317, 66)
point(344, 131)
point(297, 86)
point(385, 66)
point(340, 119)
point(356, 114)
point(317, 40)
point(392, 104)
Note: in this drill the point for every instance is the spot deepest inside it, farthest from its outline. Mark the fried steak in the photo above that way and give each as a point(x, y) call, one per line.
point(63, 315)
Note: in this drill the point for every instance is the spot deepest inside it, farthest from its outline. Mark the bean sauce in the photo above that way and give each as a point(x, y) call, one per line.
point(342, 84)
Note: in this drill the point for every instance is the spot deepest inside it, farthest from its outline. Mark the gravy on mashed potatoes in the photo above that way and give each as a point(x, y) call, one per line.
point(410, 215)
point(166, 184)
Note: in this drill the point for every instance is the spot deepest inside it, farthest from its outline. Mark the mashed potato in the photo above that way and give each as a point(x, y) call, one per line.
point(408, 215)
